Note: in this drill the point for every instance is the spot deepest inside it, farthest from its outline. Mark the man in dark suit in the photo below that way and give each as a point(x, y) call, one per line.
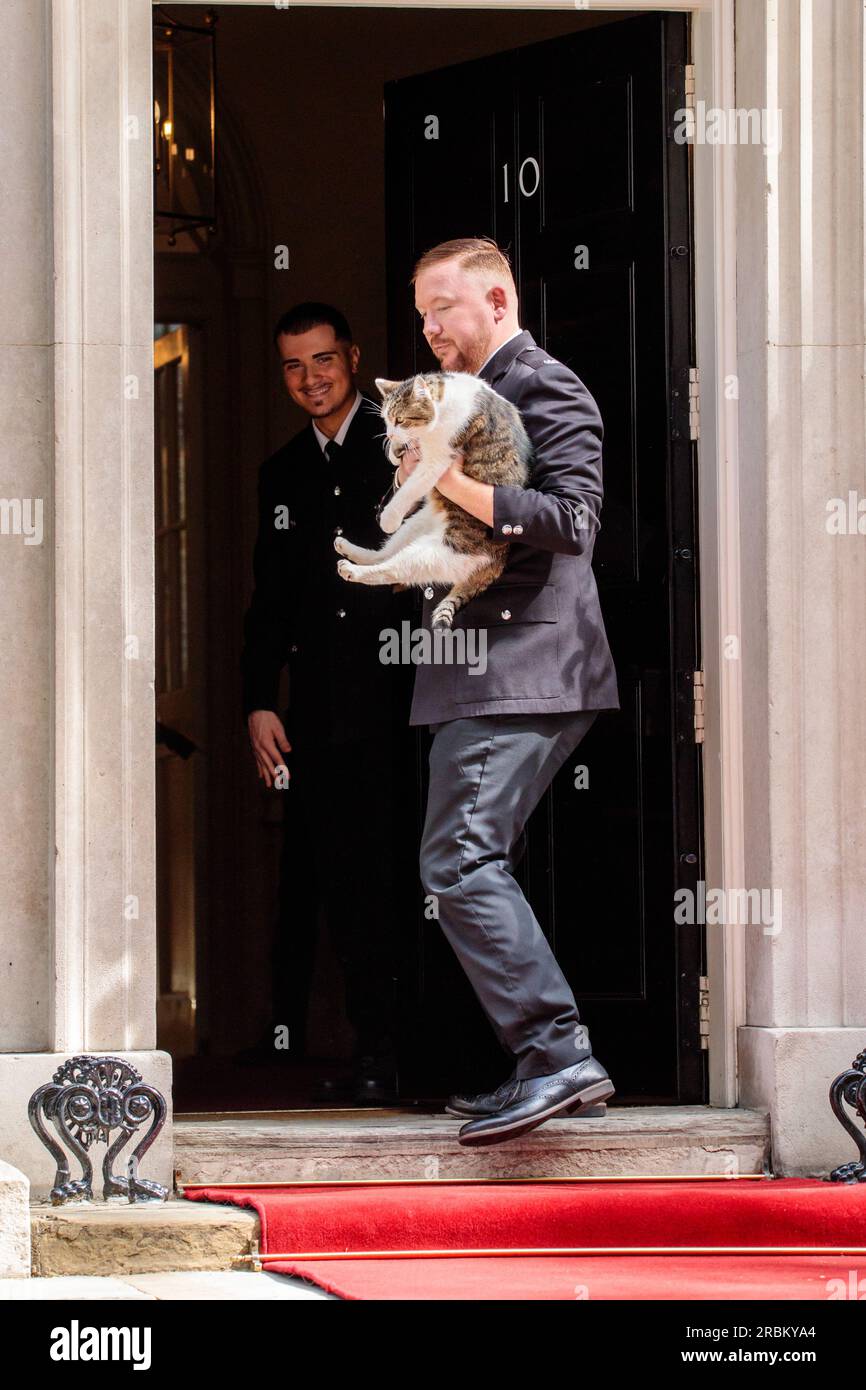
point(344, 703)
point(501, 736)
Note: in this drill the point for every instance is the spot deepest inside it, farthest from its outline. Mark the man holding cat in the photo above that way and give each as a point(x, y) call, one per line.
point(500, 737)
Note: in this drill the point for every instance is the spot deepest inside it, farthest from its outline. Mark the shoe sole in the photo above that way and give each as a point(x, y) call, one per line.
point(599, 1091)
point(594, 1110)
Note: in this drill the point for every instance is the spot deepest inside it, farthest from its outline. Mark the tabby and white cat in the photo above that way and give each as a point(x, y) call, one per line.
point(447, 413)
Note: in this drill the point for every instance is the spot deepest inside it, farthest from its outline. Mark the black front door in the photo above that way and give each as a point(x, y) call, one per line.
point(564, 153)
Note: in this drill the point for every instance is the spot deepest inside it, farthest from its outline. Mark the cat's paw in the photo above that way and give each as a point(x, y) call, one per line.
point(341, 545)
point(346, 570)
point(443, 614)
point(390, 519)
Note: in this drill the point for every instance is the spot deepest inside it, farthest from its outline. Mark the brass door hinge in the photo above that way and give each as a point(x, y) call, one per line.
point(704, 1011)
point(699, 706)
point(690, 86)
point(694, 403)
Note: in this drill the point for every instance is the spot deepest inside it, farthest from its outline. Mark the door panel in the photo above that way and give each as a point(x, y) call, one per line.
point(569, 147)
point(438, 187)
point(586, 146)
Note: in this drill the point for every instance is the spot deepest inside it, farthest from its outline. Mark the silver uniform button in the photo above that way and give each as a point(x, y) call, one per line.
point(428, 593)
point(507, 529)
point(518, 529)
point(338, 530)
point(341, 612)
point(294, 646)
point(506, 613)
point(337, 490)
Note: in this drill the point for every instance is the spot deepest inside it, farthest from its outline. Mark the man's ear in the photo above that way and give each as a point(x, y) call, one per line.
point(384, 387)
point(499, 300)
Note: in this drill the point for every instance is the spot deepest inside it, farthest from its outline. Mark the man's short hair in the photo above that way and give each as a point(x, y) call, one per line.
point(473, 253)
point(311, 314)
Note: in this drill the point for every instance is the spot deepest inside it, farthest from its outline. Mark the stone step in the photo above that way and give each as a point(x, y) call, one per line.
point(116, 1237)
point(318, 1145)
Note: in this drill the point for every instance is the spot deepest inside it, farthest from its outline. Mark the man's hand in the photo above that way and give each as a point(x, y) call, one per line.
point(474, 497)
point(409, 460)
point(452, 476)
point(268, 738)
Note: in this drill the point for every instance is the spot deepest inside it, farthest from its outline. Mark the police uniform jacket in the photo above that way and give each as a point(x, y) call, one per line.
point(302, 614)
point(547, 650)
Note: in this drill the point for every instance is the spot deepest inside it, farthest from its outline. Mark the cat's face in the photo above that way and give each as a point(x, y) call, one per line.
point(409, 407)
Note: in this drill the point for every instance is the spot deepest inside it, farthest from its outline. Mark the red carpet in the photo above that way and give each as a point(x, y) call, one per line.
point(444, 1216)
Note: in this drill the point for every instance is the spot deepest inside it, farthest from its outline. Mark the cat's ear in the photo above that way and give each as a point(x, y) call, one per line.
point(385, 387)
point(420, 390)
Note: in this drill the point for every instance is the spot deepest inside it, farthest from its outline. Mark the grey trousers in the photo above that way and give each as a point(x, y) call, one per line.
point(487, 775)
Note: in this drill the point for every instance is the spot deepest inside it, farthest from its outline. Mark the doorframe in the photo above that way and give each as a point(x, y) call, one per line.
point(104, 313)
point(715, 289)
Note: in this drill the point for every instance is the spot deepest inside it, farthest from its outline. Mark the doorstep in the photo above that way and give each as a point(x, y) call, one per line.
point(342, 1145)
point(117, 1238)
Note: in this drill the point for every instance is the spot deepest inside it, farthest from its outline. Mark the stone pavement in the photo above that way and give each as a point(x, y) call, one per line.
point(200, 1285)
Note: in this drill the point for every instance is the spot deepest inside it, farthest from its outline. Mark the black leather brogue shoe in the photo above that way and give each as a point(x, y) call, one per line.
point(539, 1098)
point(491, 1102)
point(486, 1103)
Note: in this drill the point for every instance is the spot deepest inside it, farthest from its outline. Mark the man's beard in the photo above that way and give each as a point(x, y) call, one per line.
point(470, 358)
point(322, 408)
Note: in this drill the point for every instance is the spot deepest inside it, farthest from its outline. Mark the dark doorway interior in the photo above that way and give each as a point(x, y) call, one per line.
point(554, 135)
point(563, 152)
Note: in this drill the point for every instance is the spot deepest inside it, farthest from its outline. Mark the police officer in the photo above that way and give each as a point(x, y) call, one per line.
point(500, 737)
point(347, 710)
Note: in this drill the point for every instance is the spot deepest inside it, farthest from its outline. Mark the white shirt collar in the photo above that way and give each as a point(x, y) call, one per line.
point(343, 430)
point(515, 334)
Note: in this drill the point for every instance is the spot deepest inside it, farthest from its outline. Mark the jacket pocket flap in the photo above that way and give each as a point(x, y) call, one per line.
point(505, 604)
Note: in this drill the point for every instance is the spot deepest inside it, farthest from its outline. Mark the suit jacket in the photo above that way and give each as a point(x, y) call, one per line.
point(301, 612)
point(547, 650)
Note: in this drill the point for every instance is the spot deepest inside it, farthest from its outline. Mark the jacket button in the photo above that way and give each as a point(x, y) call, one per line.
point(507, 529)
point(294, 647)
point(518, 529)
point(338, 530)
point(506, 613)
point(341, 612)
point(428, 593)
point(337, 490)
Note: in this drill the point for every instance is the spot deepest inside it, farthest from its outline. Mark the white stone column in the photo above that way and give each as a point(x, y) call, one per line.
point(78, 918)
point(800, 285)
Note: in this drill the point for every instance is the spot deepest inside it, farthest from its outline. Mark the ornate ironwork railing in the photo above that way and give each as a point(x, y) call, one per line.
point(850, 1086)
point(88, 1097)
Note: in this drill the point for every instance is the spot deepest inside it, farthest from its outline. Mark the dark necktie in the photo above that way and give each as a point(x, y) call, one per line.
point(332, 450)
